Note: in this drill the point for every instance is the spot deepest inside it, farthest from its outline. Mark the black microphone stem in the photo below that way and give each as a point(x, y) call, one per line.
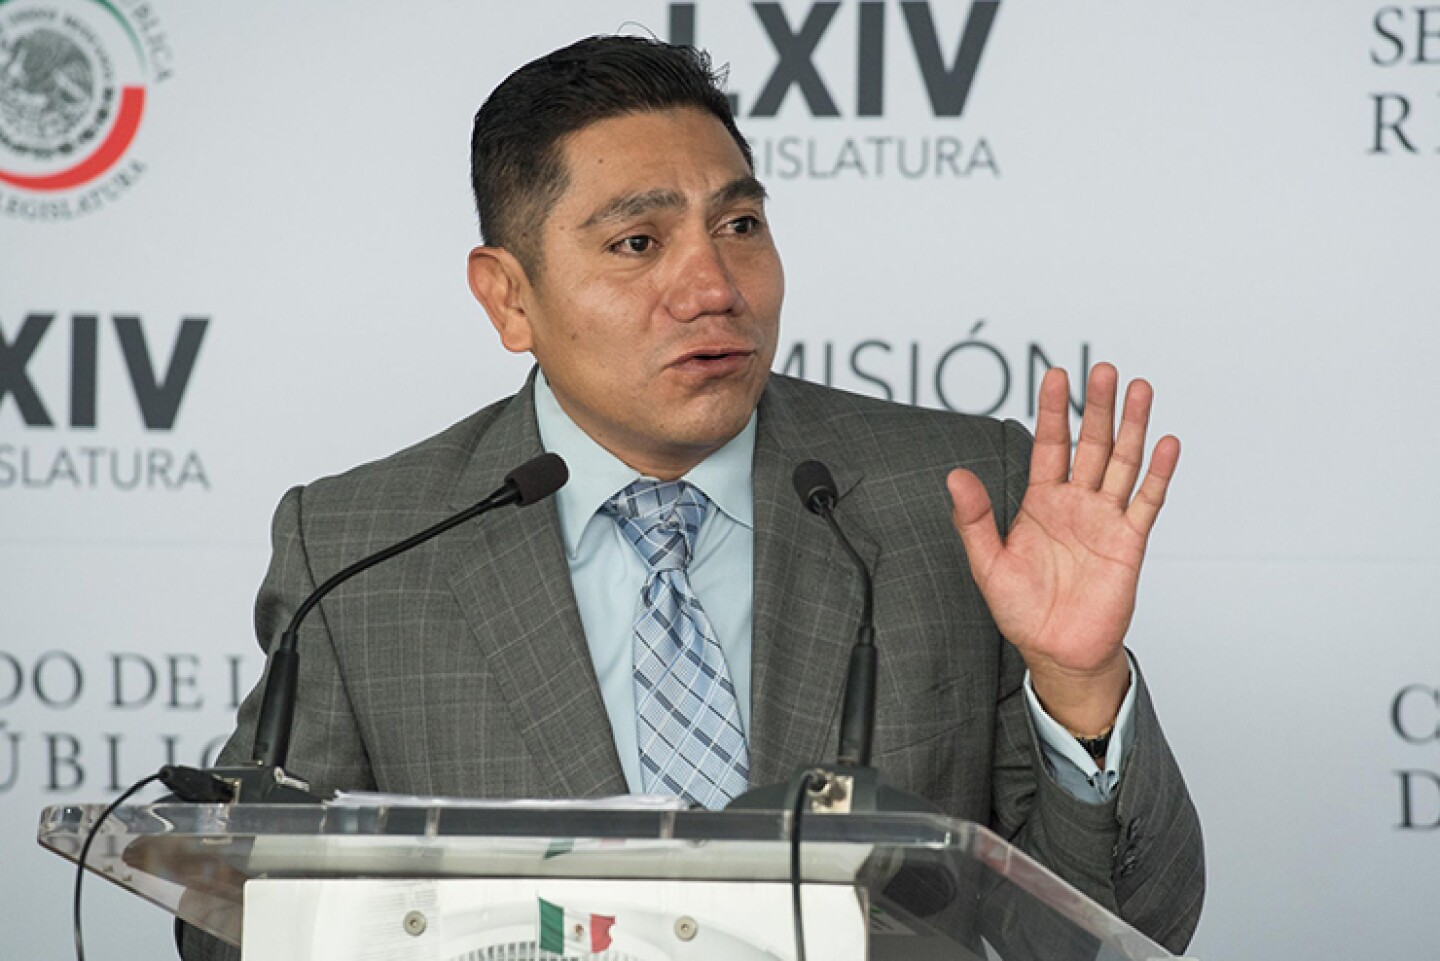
point(264, 779)
point(867, 592)
point(529, 483)
point(277, 709)
point(857, 710)
point(851, 784)
point(818, 493)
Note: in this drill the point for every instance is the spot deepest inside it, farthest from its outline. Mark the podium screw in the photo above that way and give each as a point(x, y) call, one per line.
point(415, 924)
point(686, 928)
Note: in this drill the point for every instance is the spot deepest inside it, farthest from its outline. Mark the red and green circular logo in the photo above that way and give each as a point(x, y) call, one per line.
point(74, 79)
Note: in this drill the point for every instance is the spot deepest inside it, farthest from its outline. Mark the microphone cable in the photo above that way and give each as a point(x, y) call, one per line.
point(796, 803)
point(85, 851)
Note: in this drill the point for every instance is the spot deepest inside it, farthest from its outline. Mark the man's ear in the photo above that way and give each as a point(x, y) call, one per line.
point(500, 283)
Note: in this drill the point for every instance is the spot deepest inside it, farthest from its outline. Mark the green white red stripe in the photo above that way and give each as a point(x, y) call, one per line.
point(562, 930)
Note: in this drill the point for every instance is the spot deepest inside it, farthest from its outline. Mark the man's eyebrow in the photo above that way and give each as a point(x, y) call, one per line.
point(627, 206)
point(741, 188)
point(633, 205)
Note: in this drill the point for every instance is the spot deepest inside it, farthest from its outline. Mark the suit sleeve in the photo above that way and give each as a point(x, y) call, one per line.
point(1140, 853)
point(326, 747)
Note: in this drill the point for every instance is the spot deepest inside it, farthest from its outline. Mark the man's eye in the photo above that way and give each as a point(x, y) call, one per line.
point(745, 225)
point(637, 244)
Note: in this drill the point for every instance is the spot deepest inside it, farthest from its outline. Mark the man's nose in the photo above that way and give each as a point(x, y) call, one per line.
point(702, 283)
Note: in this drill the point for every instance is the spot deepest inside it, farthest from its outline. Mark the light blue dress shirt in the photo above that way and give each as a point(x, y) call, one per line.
point(607, 575)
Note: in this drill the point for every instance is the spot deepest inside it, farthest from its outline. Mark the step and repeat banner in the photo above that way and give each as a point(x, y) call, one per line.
point(232, 249)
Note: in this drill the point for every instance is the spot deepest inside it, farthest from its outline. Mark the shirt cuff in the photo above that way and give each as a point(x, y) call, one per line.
point(1073, 769)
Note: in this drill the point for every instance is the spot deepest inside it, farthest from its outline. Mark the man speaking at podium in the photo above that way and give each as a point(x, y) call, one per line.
point(627, 248)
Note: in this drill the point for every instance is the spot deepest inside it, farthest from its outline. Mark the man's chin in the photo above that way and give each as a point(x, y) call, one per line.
point(697, 438)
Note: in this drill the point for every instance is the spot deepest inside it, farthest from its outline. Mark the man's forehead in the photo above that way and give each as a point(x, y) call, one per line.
point(647, 155)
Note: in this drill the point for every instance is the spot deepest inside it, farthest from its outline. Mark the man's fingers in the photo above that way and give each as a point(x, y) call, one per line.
point(1129, 453)
point(974, 521)
point(1097, 427)
point(1050, 457)
point(1151, 496)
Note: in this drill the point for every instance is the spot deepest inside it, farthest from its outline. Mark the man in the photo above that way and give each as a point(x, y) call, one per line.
point(544, 652)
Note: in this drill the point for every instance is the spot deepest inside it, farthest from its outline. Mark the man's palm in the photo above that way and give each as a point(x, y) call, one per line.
point(1061, 585)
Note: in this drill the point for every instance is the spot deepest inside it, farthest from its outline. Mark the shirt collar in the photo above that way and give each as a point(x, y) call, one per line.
point(596, 474)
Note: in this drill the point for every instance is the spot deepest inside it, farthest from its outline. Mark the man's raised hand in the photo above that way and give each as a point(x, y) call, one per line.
point(1061, 585)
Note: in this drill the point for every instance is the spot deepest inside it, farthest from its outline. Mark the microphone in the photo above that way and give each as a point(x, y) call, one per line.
point(815, 486)
point(264, 779)
point(857, 715)
point(851, 784)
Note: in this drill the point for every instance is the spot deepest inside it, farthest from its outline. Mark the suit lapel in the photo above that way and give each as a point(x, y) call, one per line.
point(509, 575)
point(807, 595)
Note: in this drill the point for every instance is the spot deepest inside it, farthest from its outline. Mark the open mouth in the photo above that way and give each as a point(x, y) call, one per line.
point(714, 361)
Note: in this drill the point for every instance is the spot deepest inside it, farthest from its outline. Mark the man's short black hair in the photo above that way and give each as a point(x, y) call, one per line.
point(517, 168)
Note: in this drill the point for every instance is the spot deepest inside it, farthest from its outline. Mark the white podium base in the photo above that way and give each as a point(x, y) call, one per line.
point(500, 920)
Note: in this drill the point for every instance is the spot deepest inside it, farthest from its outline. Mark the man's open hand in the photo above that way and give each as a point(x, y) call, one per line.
point(1061, 585)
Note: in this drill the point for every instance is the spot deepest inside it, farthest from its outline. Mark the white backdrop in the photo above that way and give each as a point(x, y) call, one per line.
point(1199, 192)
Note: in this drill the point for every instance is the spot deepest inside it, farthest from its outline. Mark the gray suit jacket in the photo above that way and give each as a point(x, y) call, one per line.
point(461, 667)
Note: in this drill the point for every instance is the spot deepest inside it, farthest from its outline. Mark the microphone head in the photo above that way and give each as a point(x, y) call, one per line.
point(537, 479)
point(815, 486)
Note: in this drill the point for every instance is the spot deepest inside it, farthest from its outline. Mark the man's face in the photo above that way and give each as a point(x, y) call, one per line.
point(656, 309)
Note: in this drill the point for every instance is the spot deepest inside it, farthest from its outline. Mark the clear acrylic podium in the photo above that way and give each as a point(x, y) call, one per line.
point(455, 883)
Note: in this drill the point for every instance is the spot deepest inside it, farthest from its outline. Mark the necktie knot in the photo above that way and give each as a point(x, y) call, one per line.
point(660, 519)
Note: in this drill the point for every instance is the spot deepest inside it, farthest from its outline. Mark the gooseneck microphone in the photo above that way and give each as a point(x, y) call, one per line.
point(532, 481)
point(857, 715)
point(850, 784)
point(265, 778)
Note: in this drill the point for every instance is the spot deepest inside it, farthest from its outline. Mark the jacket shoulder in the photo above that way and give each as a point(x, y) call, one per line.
point(415, 482)
point(889, 432)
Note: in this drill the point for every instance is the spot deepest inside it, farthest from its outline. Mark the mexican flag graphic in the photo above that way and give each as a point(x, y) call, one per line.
point(562, 930)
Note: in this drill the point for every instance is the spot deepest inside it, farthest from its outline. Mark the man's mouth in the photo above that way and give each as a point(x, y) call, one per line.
point(715, 360)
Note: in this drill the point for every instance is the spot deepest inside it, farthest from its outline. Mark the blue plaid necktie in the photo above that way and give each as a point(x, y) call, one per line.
point(686, 714)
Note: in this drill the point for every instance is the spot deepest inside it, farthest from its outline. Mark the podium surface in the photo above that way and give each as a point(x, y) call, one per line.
point(911, 886)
